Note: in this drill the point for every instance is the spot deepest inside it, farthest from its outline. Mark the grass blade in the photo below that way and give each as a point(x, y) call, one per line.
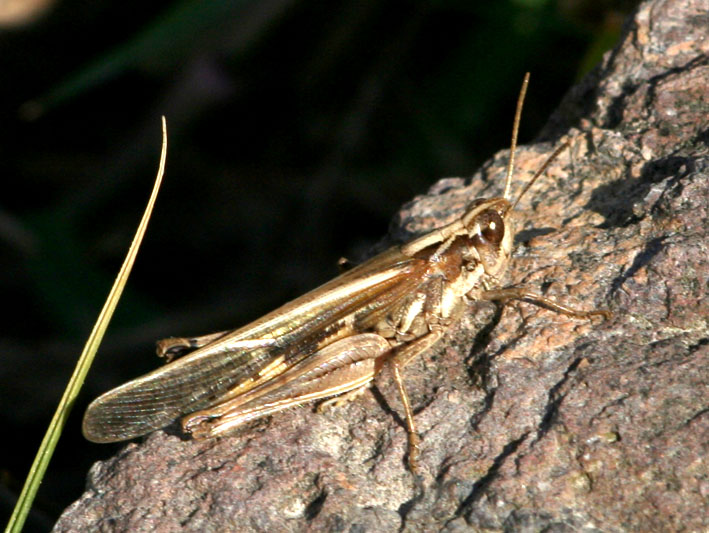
point(49, 442)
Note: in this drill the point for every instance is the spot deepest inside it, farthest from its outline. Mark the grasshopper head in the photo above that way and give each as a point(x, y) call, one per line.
point(489, 226)
point(488, 222)
point(490, 231)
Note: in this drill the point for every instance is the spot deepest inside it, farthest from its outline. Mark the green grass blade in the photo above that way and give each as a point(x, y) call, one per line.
point(49, 443)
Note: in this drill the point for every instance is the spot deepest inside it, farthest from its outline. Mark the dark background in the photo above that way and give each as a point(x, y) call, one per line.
point(296, 130)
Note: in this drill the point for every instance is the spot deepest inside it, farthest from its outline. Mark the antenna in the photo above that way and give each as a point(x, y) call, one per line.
point(515, 131)
point(539, 172)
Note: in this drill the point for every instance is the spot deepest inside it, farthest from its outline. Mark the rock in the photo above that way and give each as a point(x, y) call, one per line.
point(530, 420)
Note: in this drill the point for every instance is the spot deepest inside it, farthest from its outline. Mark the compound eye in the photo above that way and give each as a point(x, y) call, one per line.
point(492, 227)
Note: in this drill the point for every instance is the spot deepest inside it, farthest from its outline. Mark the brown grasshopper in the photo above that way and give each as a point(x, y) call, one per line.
point(331, 342)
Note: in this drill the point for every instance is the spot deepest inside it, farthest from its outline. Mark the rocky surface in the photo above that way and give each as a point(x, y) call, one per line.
point(529, 420)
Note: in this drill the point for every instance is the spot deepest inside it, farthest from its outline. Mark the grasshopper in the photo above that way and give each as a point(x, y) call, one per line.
point(331, 342)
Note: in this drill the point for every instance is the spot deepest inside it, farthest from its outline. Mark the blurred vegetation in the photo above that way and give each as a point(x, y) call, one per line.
point(296, 131)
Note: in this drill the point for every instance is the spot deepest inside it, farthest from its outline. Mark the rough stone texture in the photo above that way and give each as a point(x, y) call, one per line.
point(530, 420)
